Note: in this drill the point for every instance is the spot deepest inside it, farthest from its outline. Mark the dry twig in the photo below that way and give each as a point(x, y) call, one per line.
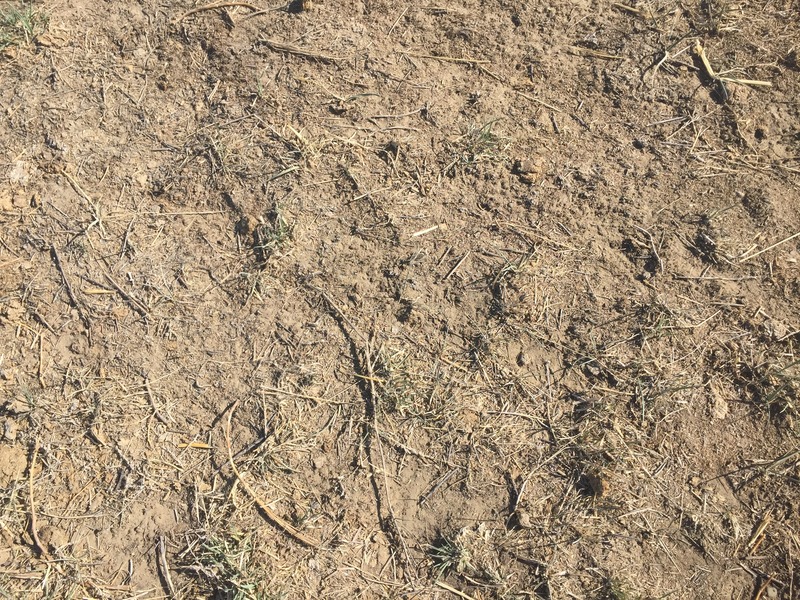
point(280, 522)
point(40, 547)
point(70, 292)
point(137, 305)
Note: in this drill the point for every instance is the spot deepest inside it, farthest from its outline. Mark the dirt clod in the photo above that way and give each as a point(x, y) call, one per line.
point(529, 170)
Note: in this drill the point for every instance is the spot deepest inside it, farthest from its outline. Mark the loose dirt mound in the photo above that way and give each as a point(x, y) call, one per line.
point(365, 299)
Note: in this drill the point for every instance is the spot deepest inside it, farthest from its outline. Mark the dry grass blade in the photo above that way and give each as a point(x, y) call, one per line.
point(747, 256)
point(151, 397)
point(457, 266)
point(580, 51)
point(427, 230)
point(758, 535)
point(626, 8)
point(134, 303)
point(452, 59)
point(161, 555)
point(296, 51)
point(453, 590)
point(701, 53)
point(542, 102)
point(217, 5)
point(279, 392)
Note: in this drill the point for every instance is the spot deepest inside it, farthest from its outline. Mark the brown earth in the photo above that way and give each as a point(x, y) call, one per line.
point(498, 300)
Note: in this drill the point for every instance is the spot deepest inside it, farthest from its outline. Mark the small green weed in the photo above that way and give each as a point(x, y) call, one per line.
point(19, 26)
point(223, 564)
point(614, 590)
point(397, 387)
point(271, 235)
point(449, 556)
point(476, 146)
point(410, 389)
point(776, 386)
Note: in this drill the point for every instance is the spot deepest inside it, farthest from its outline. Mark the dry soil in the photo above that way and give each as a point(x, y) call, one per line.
point(371, 299)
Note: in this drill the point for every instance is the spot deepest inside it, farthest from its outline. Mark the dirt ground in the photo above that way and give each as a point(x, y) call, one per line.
point(365, 299)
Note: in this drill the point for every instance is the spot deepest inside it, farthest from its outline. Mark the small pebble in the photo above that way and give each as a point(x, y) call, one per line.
point(524, 519)
point(10, 429)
